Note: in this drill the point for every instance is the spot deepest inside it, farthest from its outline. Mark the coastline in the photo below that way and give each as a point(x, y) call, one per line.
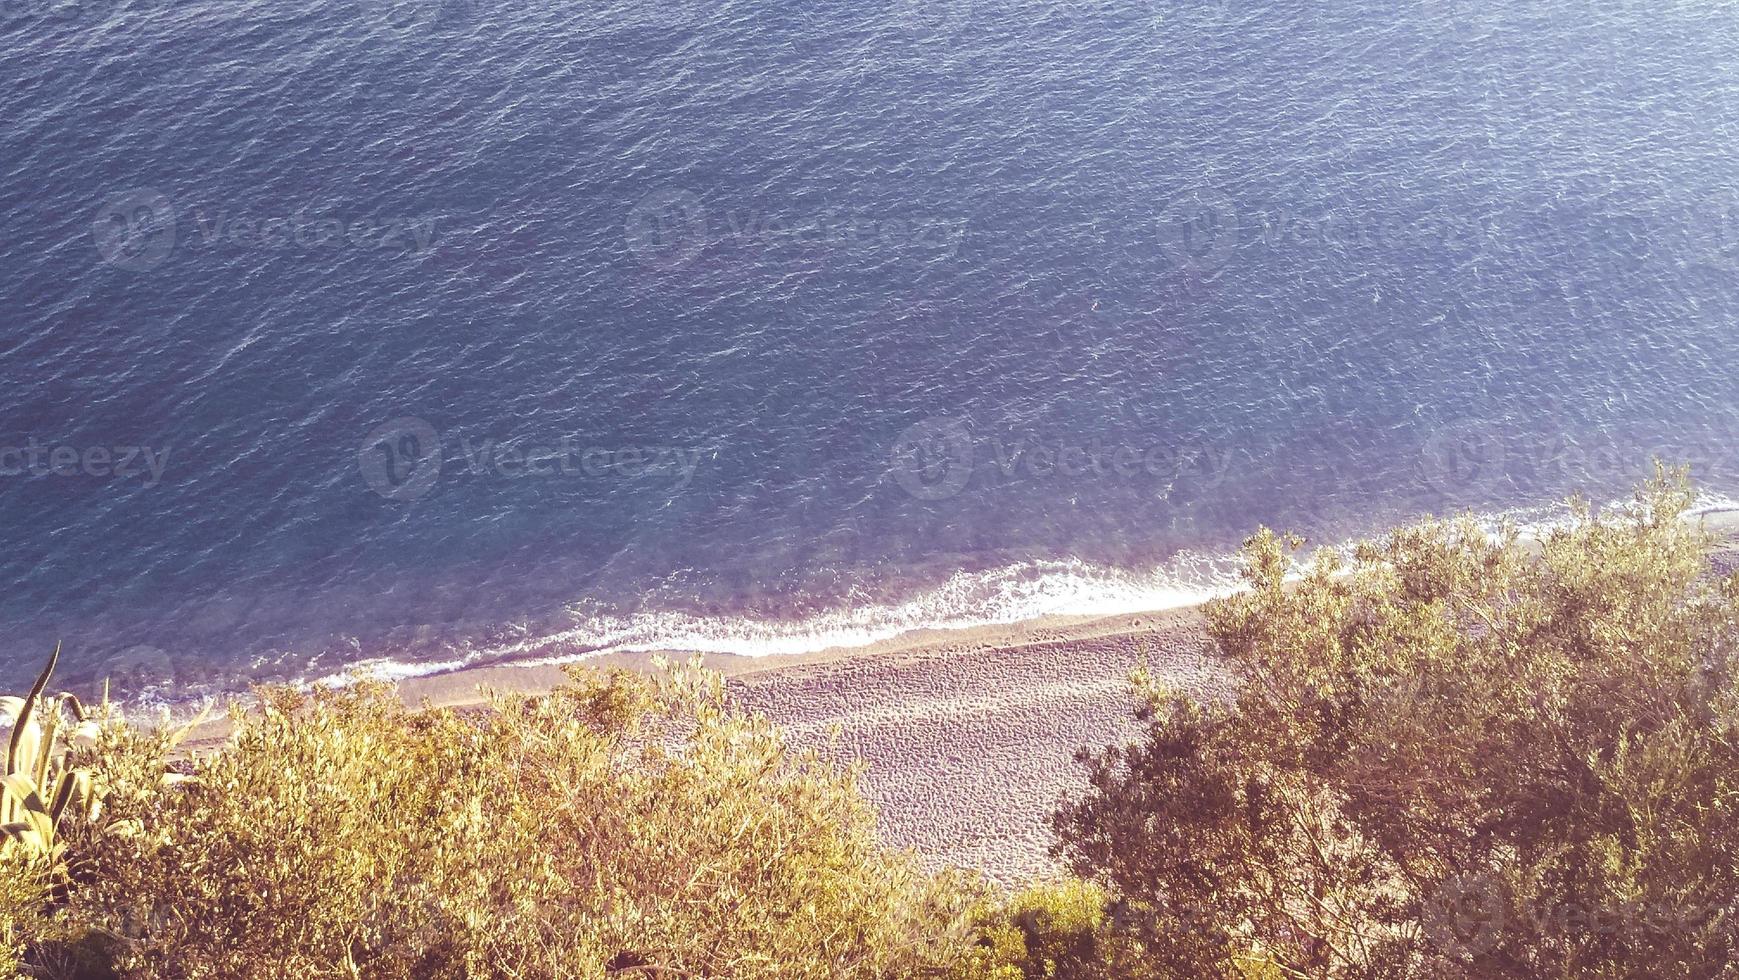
point(967, 735)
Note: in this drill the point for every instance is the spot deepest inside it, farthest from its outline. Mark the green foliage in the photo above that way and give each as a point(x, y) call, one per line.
point(1455, 756)
point(623, 825)
point(43, 792)
point(38, 790)
point(25, 880)
point(1046, 932)
point(59, 773)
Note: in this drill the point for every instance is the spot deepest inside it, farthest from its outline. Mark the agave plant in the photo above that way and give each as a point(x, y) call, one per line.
point(39, 789)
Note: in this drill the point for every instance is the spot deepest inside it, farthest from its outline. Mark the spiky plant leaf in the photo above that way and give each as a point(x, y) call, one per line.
point(19, 730)
point(180, 734)
point(74, 786)
point(41, 823)
point(23, 792)
point(45, 747)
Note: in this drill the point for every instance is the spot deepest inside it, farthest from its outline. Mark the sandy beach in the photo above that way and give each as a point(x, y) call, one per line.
point(967, 736)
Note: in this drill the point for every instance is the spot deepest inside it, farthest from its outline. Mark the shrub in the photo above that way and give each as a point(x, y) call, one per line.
point(51, 791)
point(622, 825)
point(1049, 931)
point(24, 896)
point(1454, 755)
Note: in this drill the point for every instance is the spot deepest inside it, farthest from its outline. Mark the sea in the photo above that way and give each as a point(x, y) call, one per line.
point(394, 336)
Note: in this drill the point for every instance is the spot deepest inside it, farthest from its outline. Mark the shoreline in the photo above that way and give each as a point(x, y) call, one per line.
point(967, 735)
point(1144, 592)
point(460, 687)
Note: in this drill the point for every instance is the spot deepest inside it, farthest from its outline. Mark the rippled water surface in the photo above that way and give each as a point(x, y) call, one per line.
point(443, 332)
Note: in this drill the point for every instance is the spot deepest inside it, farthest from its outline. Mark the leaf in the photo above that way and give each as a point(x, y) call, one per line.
point(176, 737)
point(41, 823)
point(12, 750)
point(23, 790)
point(45, 752)
point(73, 785)
point(27, 735)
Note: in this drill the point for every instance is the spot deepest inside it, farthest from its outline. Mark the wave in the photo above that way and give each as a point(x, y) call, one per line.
point(1013, 593)
point(1018, 592)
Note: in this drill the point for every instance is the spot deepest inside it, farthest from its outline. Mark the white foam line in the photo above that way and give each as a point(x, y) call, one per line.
point(1030, 590)
point(1015, 593)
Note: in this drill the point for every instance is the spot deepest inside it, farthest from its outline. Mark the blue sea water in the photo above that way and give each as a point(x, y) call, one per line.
point(414, 333)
